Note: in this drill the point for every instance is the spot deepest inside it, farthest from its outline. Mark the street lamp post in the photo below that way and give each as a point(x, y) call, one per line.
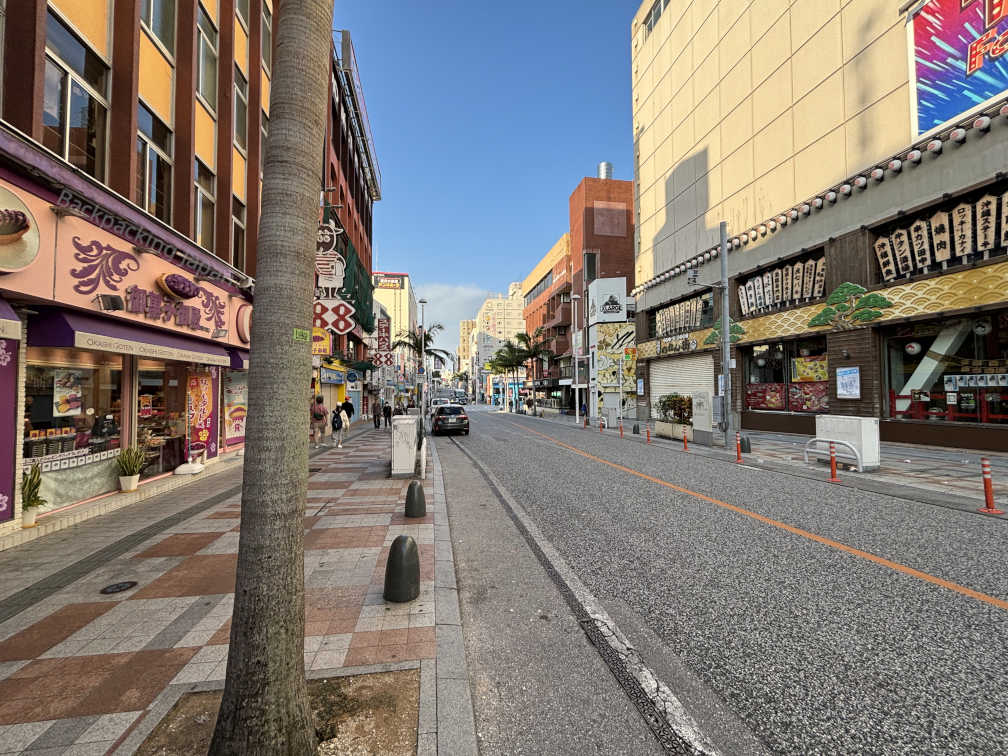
point(423, 360)
point(577, 358)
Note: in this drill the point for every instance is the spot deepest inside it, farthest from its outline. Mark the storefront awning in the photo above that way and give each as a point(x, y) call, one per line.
point(71, 329)
point(239, 359)
point(10, 323)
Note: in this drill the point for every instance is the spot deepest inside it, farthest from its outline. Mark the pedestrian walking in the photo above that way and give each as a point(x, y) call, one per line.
point(344, 424)
point(318, 414)
point(387, 414)
point(584, 409)
point(348, 407)
point(376, 413)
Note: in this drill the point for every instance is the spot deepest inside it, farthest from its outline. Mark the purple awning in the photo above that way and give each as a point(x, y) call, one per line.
point(72, 329)
point(239, 359)
point(10, 323)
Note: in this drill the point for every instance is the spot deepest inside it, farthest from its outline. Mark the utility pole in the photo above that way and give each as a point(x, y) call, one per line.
point(725, 336)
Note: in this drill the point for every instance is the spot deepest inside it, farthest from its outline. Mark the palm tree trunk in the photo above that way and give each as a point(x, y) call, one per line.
point(265, 705)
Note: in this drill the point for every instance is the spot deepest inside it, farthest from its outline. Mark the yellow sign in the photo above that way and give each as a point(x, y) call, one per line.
point(321, 343)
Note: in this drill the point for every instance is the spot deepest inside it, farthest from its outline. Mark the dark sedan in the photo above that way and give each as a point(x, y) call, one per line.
point(450, 417)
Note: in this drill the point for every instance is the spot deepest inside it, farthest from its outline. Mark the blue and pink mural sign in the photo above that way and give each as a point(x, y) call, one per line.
point(959, 58)
point(8, 418)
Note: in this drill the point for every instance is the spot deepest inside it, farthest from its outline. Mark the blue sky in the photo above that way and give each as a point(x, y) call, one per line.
point(485, 118)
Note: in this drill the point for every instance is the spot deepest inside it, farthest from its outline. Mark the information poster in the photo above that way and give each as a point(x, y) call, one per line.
point(809, 369)
point(146, 405)
point(765, 396)
point(202, 390)
point(848, 382)
point(67, 393)
point(235, 406)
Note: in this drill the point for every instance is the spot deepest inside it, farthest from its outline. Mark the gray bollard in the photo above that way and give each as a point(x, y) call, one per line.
point(416, 501)
point(402, 571)
point(636, 429)
point(745, 445)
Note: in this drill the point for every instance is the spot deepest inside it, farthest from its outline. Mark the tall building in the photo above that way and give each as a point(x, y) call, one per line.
point(866, 214)
point(465, 328)
point(501, 315)
point(395, 292)
point(599, 244)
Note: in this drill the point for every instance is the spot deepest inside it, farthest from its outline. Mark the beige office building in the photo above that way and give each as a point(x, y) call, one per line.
point(846, 143)
point(501, 316)
point(395, 293)
point(465, 329)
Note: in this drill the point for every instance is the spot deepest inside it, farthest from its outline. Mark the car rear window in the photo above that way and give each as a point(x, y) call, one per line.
point(450, 410)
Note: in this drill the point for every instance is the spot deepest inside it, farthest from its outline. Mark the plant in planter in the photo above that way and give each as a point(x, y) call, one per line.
point(675, 410)
point(31, 500)
point(131, 462)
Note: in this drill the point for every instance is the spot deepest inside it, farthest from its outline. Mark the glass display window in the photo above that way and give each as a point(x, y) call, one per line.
point(950, 370)
point(73, 401)
point(161, 414)
point(787, 376)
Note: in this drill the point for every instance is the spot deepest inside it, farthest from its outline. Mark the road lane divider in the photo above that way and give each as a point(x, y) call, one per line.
point(815, 537)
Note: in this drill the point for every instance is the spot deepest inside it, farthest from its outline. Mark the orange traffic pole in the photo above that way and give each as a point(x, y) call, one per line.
point(648, 426)
point(988, 488)
point(738, 446)
point(600, 425)
point(621, 429)
point(832, 463)
point(685, 446)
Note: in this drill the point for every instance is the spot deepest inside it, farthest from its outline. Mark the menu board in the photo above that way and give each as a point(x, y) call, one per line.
point(765, 396)
point(68, 398)
point(809, 369)
point(808, 397)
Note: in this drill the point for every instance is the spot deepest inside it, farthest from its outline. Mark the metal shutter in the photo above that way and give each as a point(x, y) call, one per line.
point(681, 375)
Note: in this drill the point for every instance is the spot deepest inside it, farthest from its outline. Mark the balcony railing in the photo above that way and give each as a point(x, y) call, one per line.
point(561, 316)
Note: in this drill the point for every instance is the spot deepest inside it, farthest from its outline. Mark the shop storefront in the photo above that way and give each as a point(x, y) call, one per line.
point(112, 334)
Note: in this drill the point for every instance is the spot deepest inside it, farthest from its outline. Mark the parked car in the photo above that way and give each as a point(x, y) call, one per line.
point(449, 417)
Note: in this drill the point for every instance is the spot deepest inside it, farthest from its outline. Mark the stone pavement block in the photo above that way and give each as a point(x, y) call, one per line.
point(16, 737)
point(446, 608)
point(456, 733)
point(451, 661)
point(444, 574)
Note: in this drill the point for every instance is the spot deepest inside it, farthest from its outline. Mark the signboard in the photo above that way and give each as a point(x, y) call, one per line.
point(640, 387)
point(328, 375)
point(848, 383)
point(8, 412)
point(202, 405)
point(389, 281)
point(321, 344)
point(235, 406)
point(607, 300)
point(384, 334)
point(957, 62)
point(334, 315)
point(613, 368)
point(329, 264)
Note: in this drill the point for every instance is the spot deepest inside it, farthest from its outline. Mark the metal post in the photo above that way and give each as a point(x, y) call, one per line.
point(725, 334)
point(577, 391)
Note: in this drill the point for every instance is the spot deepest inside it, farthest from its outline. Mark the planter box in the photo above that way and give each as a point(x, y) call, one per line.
point(673, 430)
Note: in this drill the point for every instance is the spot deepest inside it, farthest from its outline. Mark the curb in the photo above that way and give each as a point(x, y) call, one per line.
point(450, 728)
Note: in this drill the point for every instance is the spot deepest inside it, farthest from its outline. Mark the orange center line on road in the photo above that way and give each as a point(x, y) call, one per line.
point(895, 566)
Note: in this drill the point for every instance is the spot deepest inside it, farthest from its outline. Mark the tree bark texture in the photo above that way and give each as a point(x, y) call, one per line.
point(265, 707)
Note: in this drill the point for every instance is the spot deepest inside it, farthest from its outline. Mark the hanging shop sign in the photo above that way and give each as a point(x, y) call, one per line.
point(389, 281)
point(334, 315)
point(202, 404)
point(384, 334)
point(783, 286)
point(682, 317)
point(328, 375)
point(945, 237)
point(677, 346)
point(957, 60)
point(321, 344)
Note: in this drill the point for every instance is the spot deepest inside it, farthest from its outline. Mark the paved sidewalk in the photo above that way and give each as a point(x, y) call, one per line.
point(926, 473)
point(85, 673)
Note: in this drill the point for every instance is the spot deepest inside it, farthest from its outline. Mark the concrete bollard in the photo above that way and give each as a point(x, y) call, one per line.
point(402, 571)
point(636, 429)
point(416, 500)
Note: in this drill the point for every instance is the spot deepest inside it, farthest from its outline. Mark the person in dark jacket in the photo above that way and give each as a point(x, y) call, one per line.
point(387, 414)
point(376, 413)
point(348, 407)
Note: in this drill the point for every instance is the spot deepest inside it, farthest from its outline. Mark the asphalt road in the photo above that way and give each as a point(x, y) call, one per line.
point(830, 620)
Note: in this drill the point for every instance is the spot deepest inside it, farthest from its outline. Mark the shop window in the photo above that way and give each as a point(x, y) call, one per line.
point(75, 103)
point(154, 164)
point(787, 376)
point(161, 414)
point(73, 403)
point(949, 371)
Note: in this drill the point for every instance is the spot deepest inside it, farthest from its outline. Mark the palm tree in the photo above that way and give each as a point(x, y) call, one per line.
point(421, 346)
point(509, 358)
point(265, 703)
point(533, 349)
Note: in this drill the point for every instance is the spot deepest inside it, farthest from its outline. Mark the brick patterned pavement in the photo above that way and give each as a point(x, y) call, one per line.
point(79, 670)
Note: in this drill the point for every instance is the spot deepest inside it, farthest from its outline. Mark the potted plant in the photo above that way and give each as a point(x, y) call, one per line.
point(131, 461)
point(31, 484)
point(676, 412)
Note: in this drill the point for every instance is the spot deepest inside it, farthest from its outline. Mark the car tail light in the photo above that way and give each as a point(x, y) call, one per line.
point(463, 417)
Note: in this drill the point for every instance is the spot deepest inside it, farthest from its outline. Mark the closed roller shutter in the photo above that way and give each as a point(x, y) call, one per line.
point(681, 375)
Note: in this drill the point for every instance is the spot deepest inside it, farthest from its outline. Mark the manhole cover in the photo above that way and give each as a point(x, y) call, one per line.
point(118, 587)
point(314, 469)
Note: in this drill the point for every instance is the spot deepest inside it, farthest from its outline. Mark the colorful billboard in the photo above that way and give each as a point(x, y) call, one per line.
point(957, 64)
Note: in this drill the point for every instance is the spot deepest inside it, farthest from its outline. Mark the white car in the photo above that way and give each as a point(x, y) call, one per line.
point(437, 403)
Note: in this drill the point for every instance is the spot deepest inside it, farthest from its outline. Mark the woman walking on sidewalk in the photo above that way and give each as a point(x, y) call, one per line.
point(376, 413)
point(344, 423)
point(318, 414)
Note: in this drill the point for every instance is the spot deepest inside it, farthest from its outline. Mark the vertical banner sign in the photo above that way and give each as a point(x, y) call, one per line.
point(778, 292)
point(384, 335)
point(957, 60)
point(940, 234)
point(901, 249)
point(883, 251)
point(235, 406)
point(743, 301)
point(986, 209)
point(798, 273)
point(921, 244)
point(768, 296)
point(758, 288)
point(751, 294)
point(203, 410)
point(8, 421)
point(786, 281)
point(962, 229)
point(820, 278)
point(809, 286)
point(1004, 219)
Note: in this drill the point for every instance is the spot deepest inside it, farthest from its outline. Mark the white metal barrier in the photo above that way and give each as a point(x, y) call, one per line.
point(824, 453)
